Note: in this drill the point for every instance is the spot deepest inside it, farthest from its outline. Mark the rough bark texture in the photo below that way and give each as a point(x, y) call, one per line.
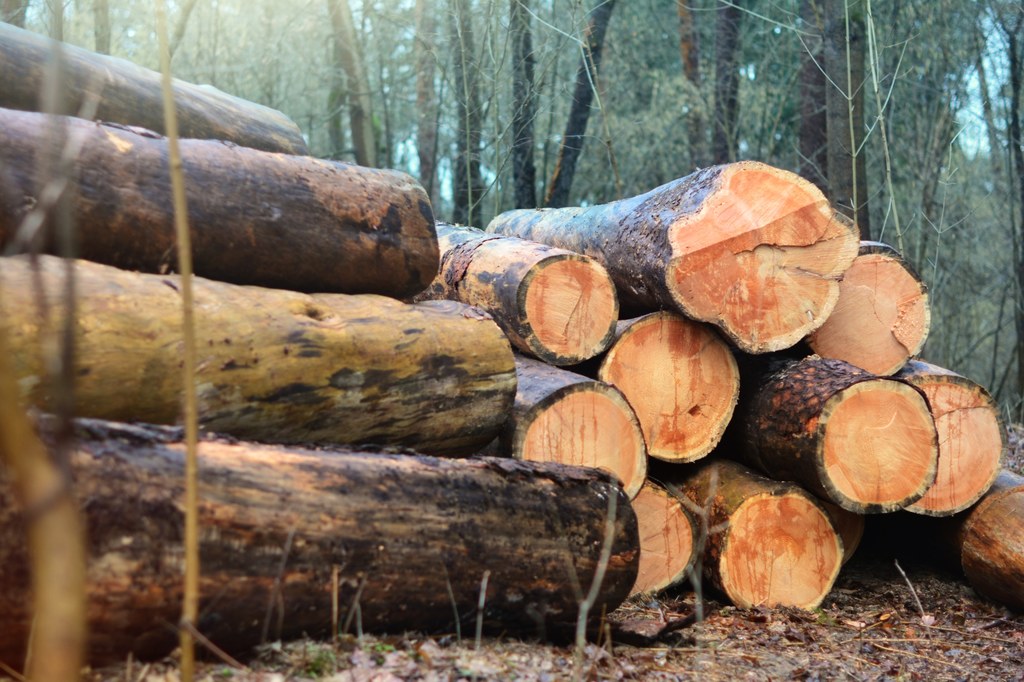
point(771, 543)
point(866, 443)
point(130, 94)
point(412, 538)
point(972, 440)
point(882, 317)
point(560, 416)
point(553, 304)
point(681, 379)
point(273, 365)
point(274, 220)
point(752, 249)
point(992, 542)
point(668, 537)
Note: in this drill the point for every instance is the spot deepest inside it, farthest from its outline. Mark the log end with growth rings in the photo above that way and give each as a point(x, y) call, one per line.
point(761, 258)
point(667, 539)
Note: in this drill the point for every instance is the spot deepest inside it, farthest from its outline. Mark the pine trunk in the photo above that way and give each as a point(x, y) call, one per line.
point(413, 540)
point(752, 249)
point(291, 222)
point(273, 365)
point(130, 95)
point(554, 304)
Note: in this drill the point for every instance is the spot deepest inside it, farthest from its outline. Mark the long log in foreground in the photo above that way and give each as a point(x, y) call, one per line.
point(291, 222)
point(556, 305)
point(882, 317)
point(130, 94)
point(750, 248)
point(971, 438)
point(273, 365)
point(770, 543)
point(413, 539)
point(668, 539)
point(681, 379)
point(867, 443)
point(560, 416)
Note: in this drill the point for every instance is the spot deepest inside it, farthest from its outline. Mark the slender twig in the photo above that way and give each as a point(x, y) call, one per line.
point(455, 606)
point(602, 567)
point(211, 647)
point(913, 592)
point(481, 601)
point(275, 590)
point(334, 605)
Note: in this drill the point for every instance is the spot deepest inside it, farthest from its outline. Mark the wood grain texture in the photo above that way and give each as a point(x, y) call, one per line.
point(273, 365)
point(668, 539)
point(992, 542)
point(412, 537)
point(290, 222)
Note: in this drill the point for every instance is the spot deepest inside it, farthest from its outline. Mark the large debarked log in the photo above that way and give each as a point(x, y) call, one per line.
point(413, 538)
point(275, 366)
point(291, 222)
point(750, 248)
point(130, 94)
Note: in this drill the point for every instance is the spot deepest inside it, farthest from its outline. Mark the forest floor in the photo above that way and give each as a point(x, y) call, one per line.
point(872, 626)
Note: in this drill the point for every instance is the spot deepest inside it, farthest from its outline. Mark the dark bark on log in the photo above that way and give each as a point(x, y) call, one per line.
point(412, 538)
point(273, 220)
point(130, 94)
point(866, 443)
point(553, 304)
point(559, 416)
point(524, 108)
point(750, 248)
point(273, 365)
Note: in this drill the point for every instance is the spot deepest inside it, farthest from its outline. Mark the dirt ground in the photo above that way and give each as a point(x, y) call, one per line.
point(872, 626)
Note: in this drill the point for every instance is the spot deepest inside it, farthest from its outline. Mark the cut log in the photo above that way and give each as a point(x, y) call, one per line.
point(849, 525)
point(668, 536)
point(130, 94)
point(291, 222)
point(882, 317)
point(771, 543)
point(971, 438)
point(273, 365)
point(991, 541)
point(681, 379)
point(866, 443)
point(563, 417)
point(750, 248)
point(414, 540)
point(553, 304)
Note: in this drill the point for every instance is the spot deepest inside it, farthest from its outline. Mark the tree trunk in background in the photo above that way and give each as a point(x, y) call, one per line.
point(346, 58)
point(101, 25)
point(13, 12)
point(180, 25)
point(813, 141)
point(468, 185)
point(579, 111)
point(1016, 142)
point(689, 52)
point(843, 60)
point(426, 95)
point(727, 32)
point(524, 107)
point(55, 17)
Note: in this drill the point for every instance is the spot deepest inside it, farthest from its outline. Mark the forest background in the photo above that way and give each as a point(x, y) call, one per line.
point(906, 112)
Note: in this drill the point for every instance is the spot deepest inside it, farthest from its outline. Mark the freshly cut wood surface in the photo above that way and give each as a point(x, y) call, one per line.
point(849, 525)
point(560, 416)
point(752, 249)
point(992, 542)
point(273, 365)
point(681, 379)
point(412, 538)
point(130, 94)
point(882, 317)
point(971, 438)
point(867, 443)
point(554, 304)
point(290, 222)
point(668, 537)
point(771, 543)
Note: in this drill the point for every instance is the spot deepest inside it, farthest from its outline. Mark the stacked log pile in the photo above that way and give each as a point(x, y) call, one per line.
point(763, 459)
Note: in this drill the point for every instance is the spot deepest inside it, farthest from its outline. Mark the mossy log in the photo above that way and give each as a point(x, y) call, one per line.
point(130, 94)
point(560, 416)
point(289, 222)
point(882, 317)
point(971, 438)
point(554, 304)
point(752, 249)
point(413, 539)
point(275, 366)
point(668, 539)
point(681, 379)
point(770, 543)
